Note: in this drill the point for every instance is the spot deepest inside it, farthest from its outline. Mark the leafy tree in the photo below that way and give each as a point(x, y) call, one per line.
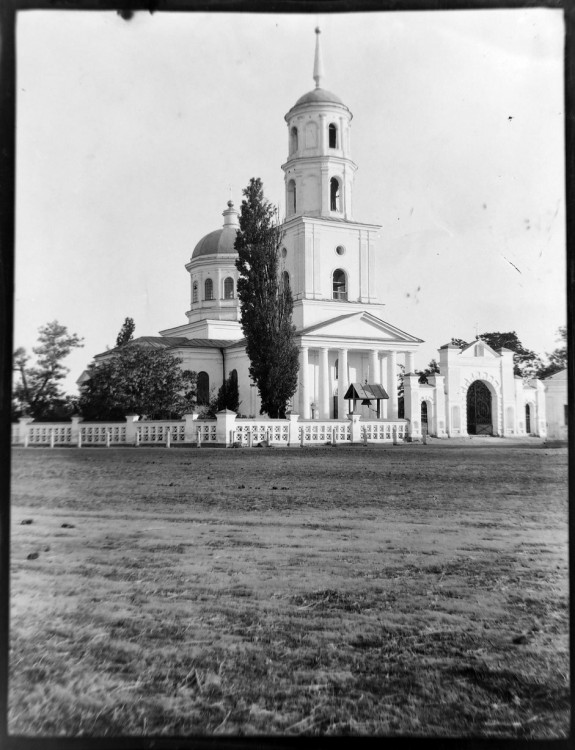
point(557, 358)
point(431, 369)
point(37, 392)
point(266, 303)
point(138, 380)
point(525, 361)
point(126, 332)
point(458, 342)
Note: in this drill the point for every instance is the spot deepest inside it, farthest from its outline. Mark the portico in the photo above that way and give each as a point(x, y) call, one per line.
point(327, 368)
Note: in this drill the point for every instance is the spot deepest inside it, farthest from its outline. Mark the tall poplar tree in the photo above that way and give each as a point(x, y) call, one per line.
point(266, 302)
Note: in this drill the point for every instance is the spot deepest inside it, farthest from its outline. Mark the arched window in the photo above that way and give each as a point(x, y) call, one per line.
point(208, 289)
point(229, 288)
point(334, 198)
point(332, 130)
point(285, 277)
point(293, 140)
point(195, 292)
point(291, 198)
point(339, 284)
point(203, 389)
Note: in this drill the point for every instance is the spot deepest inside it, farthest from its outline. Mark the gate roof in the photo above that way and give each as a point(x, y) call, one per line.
point(366, 390)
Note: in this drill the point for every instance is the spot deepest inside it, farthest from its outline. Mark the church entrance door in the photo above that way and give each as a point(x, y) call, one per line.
point(527, 419)
point(479, 417)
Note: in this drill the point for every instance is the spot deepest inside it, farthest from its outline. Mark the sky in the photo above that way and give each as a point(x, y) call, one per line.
point(133, 135)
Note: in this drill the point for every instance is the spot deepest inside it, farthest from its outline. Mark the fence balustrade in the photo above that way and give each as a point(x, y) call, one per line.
point(192, 431)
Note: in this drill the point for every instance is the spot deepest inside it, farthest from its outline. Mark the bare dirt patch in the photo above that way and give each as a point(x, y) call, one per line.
point(417, 590)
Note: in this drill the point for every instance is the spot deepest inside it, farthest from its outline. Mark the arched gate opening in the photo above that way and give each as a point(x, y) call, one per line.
point(479, 409)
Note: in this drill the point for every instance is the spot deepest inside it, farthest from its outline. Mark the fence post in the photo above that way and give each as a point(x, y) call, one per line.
point(75, 431)
point(355, 427)
point(51, 437)
point(131, 428)
point(225, 423)
point(137, 438)
point(189, 430)
point(424, 437)
point(334, 435)
point(268, 436)
point(302, 436)
point(293, 439)
point(365, 435)
point(23, 430)
point(107, 438)
point(394, 433)
point(168, 437)
point(199, 438)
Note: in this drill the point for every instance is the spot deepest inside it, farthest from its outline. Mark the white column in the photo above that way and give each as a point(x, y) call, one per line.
point(322, 135)
point(392, 384)
point(409, 363)
point(373, 366)
point(325, 198)
point(324, 389)
point(304, 382)
point(342, 383)
point(383, 381)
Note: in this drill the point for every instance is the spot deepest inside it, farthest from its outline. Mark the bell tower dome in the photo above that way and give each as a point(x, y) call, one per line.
point(319, 172)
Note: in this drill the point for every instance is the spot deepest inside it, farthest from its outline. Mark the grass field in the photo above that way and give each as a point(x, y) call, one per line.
point(402, 590)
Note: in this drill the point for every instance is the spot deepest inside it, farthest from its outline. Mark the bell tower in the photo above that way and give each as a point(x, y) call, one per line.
point(329, 259)
point(319, 172)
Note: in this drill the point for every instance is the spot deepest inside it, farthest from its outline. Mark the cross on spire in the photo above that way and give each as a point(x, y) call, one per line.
point(318, 63)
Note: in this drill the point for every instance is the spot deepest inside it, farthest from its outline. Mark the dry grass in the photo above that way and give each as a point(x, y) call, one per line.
point(416, 590)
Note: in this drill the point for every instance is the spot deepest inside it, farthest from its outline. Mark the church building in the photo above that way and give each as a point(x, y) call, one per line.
point(331, 263)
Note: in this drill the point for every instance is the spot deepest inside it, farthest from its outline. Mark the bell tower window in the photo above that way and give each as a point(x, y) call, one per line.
point(339, 284)
point(293, 140)
point(291, 198)
point(332, 131)
point(334, 195)
point(209, 289)
point(195, 292)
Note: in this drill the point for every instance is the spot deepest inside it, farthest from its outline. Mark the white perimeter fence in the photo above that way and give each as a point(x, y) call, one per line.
point(225, 430)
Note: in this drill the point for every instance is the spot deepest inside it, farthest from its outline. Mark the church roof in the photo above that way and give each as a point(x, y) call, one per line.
point(319, 96)
point(149, 342)
point(218, 242)
point(204, 344)
point(170, 342)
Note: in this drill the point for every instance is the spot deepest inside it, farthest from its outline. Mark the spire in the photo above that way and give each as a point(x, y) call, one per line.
point(318, 64)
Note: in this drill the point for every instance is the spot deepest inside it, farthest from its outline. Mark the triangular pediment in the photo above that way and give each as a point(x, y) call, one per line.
point(360, 325)
point(486, 350)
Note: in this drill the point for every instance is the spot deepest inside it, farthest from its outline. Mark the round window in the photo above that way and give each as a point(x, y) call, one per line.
point(340, 250)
